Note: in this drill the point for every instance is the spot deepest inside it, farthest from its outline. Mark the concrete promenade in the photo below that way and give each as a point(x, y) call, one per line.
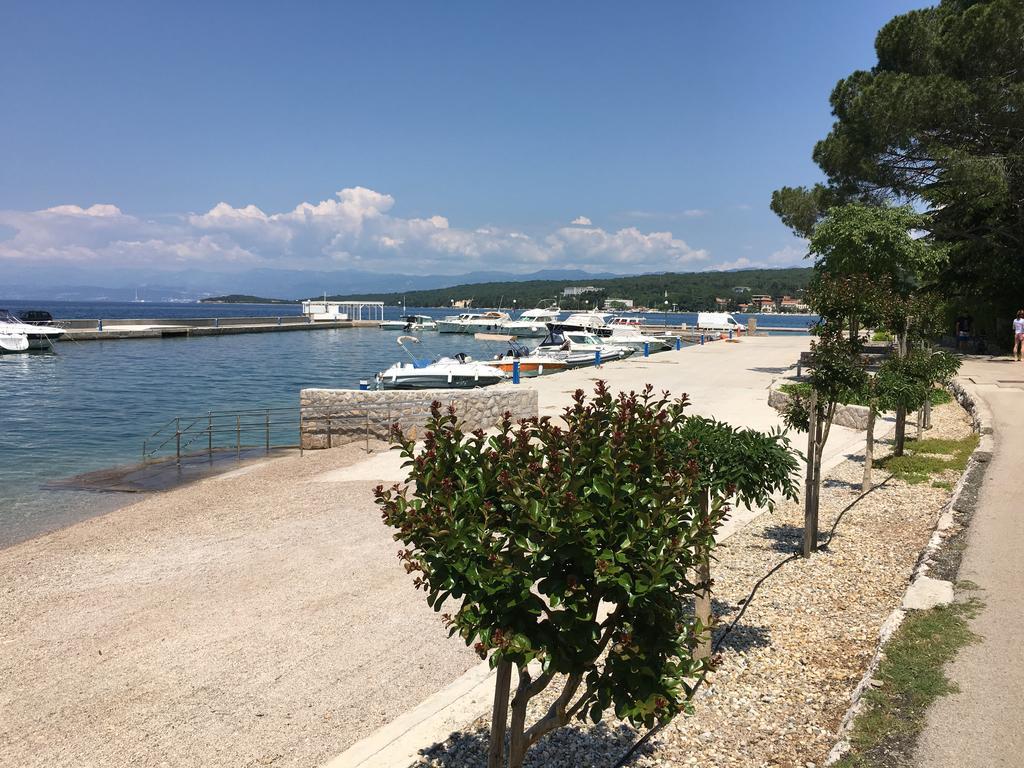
point(983, 724)
point(261, 617)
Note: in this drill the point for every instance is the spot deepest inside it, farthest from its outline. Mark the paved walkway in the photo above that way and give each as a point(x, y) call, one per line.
point(983, 724)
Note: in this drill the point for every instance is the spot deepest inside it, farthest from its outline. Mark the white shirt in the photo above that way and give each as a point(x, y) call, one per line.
point(1018, 325)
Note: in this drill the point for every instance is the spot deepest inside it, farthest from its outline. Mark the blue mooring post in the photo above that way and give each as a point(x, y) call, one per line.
point(364, 384)
point(597, 358)
point(647, 349)
point(99, 324)
point(679, 343)
point(730, 334)
point(702, 339)
point(515, 371)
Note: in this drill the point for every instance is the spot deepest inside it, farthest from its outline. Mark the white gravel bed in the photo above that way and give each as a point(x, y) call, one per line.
point(788, 669)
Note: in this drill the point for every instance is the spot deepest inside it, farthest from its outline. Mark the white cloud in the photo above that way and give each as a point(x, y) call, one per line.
point(356, 227)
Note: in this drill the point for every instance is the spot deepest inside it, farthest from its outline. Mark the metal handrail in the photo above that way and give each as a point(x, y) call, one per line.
point(261, 423)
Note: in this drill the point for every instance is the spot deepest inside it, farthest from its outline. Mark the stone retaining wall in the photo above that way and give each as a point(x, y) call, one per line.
point(852, 416)
point(336, 416)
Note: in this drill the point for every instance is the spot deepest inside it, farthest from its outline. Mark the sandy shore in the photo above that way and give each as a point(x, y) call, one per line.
point(261, 618)
point(256, 619)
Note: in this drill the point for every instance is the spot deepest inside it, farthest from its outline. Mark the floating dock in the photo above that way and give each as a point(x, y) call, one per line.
point(162, 328)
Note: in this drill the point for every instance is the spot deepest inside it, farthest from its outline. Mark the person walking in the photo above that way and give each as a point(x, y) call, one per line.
point(1018, 333)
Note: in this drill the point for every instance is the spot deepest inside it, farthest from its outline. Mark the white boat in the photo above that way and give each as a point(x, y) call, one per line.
point(579, 348)
point(530, 363)
point(532, 323)
point(410, 323)
point(18, 336)
point(631, 334)
point(473, 322)
point(457, 372)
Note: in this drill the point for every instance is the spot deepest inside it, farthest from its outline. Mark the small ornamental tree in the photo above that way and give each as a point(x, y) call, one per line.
point(735, 467)
point(837, 375)
point(907, 382)
point(567, 551)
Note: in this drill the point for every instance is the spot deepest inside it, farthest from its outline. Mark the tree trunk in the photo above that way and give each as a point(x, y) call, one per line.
point(810, 542)
point(901, 431)
point(702, 601)
point(517, 736)
point(499, 716)
point(869, 451)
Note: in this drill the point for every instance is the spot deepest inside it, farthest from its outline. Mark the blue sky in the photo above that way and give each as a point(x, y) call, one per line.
point(461, 135)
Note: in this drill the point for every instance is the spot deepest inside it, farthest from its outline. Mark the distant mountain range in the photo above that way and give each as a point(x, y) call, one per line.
point(110, 285)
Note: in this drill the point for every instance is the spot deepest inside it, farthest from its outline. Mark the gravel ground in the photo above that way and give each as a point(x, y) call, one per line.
point(788, 669)
point(260, 618)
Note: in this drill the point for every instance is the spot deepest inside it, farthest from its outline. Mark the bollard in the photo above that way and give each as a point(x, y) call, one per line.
point(679, 343)
point(730, 334)
point(364, 385)
point(597, 358)
point(99, 324)
point(515, 371)
point(647, 349)
point(702, 339)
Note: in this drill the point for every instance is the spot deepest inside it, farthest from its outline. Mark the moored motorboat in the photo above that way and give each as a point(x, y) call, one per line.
point(530, 363)
point(579, 348)
point(410, 323)
point(473, 322)
point(532, 323)
point(455, 372)
point(16, 335)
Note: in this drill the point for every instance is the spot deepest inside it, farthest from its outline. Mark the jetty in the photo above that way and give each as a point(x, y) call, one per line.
point(108, 330)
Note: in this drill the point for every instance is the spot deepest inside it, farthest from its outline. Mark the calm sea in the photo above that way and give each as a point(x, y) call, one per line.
point(89, 405)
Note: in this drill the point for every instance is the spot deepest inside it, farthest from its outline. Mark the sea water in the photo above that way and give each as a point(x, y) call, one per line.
point(90, 405)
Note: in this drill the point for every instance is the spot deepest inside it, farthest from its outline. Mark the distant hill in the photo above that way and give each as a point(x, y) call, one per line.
point(240, 298)
point(689, 291)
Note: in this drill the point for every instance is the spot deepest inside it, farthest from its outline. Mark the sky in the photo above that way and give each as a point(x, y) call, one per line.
point(415, 137)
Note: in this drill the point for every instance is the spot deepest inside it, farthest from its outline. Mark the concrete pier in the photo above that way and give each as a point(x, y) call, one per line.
point(157, 328)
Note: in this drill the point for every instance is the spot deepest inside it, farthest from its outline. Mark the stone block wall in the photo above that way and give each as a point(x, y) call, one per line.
point(332, 417)
point(852, 416)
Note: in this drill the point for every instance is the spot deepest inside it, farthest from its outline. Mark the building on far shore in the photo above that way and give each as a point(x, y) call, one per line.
point(762, 303)
point(578, 290)
point(789, 304)
point(619, 303)
point(462, 303)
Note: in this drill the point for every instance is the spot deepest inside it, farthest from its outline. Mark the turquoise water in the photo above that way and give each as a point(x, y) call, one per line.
point(89, 405)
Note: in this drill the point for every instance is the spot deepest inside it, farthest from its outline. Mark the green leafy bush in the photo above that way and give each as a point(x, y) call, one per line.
point(572, 547)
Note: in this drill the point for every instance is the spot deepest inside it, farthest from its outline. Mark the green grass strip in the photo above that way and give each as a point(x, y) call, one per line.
point(913, 676)
point(923, 459)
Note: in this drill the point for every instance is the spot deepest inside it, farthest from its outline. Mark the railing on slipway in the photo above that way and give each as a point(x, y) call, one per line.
point(220, 432)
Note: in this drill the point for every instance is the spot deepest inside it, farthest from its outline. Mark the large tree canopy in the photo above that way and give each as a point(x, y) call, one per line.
point(939, 121)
